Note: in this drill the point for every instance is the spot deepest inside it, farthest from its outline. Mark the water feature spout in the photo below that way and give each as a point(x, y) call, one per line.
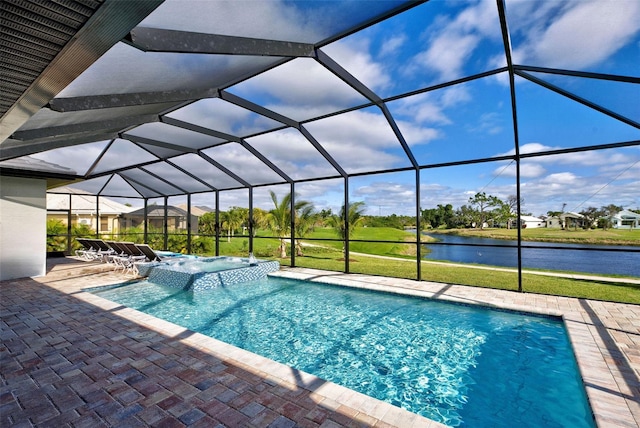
point(252, 260)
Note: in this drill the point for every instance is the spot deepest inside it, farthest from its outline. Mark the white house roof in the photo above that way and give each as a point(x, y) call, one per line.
point(197, 210)
point(530, 218)
point(84, 202)
point(571, 215)
point(627, 214)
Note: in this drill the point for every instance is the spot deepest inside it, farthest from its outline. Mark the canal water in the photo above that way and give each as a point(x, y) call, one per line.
point(576, 258)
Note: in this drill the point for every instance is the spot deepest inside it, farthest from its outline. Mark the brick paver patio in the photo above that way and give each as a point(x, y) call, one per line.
point(70, 358)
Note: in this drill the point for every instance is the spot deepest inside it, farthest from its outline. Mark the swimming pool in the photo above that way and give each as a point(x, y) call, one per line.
point(459, 365)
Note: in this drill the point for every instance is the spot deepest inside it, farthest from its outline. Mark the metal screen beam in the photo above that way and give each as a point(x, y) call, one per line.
point(246, 104)
point(152, 142)
point(514, 114)
point(159, 40)
point(94, 102)
point(193, 127)
point(11, 149)
point(224, 169)
point(227, 137)
point(63, 130)
point(347, 77)
point(164, 180)
point(130, 181)
point(574, 73)
point(106, 27)
point(184, 171)
point(578, 99)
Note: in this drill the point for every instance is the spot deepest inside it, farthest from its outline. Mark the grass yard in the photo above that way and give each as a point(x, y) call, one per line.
point(399, 261)
point(543, 234)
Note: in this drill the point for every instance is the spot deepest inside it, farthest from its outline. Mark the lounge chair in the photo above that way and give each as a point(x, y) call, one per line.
point(149, 253)
point(87, 252)
point(129, 257)
point(97, 249)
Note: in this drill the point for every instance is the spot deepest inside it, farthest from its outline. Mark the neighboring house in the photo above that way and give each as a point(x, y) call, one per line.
point(530, 222)
point(625, 219)
point(176, 218)
point(83, 209)
point(566, 220)
point(197, 210)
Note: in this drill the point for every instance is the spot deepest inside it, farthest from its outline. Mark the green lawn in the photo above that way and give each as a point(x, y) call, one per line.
point(543, 234)
point(328, 255)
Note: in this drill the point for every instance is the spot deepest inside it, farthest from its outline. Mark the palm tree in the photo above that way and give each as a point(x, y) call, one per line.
point(260, 220)
point(231, 220)
point(356, 210)
point(280, 218)
point(305, 221)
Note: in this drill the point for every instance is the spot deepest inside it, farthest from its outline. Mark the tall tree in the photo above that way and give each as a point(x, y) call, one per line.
point(232, 220)
point(354, 216)
point(590, 215)
point(207, 224)
point(304, 222)
point(608, 212)
point(280, 218)
point(260, 220)
point(483, 204)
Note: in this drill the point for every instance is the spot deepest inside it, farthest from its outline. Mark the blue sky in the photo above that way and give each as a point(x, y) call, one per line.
point(430, 44)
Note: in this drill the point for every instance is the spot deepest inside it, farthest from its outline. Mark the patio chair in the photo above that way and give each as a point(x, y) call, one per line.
point(149, 253)
point(119, 252)
point(87, 251)
point(129, 257)
point(98, 249)
point(103, 249)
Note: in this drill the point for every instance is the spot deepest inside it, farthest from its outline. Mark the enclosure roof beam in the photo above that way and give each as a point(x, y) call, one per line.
point(11, 148)
point(164, 180)
point(110, 22)
point(347, 77)
point(184, 171)
point(130, 180)
point(227, 137)
point(193, 127)
point(73, 129)
point(575, 73)
point(224, 169)
point(152, 142)
point(160, 40)
point(263, 111)
point(578, 99)
point(94, 102)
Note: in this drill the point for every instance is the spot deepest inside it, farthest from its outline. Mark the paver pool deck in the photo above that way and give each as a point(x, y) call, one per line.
point(70, 358)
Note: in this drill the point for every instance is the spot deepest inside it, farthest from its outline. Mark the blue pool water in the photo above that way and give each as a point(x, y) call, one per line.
point(459, 365)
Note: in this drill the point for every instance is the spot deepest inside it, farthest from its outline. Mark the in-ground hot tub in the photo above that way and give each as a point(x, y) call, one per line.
point(204, 273)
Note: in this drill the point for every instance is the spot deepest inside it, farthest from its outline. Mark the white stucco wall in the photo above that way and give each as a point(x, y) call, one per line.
point(23, 227)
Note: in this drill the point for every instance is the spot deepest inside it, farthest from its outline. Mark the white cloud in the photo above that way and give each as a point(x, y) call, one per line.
point(488, 123)
point(577, 35)
point(261, 19)
point(454, 39)
point(385, 198)
point(392, 44)
point(447, 54)
point(430, 107)
point(530, 170)
point(356, 59)
point(560, 179)
point(300, 88)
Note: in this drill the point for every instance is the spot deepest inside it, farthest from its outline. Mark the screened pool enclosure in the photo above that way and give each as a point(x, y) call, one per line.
point(397, 106)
